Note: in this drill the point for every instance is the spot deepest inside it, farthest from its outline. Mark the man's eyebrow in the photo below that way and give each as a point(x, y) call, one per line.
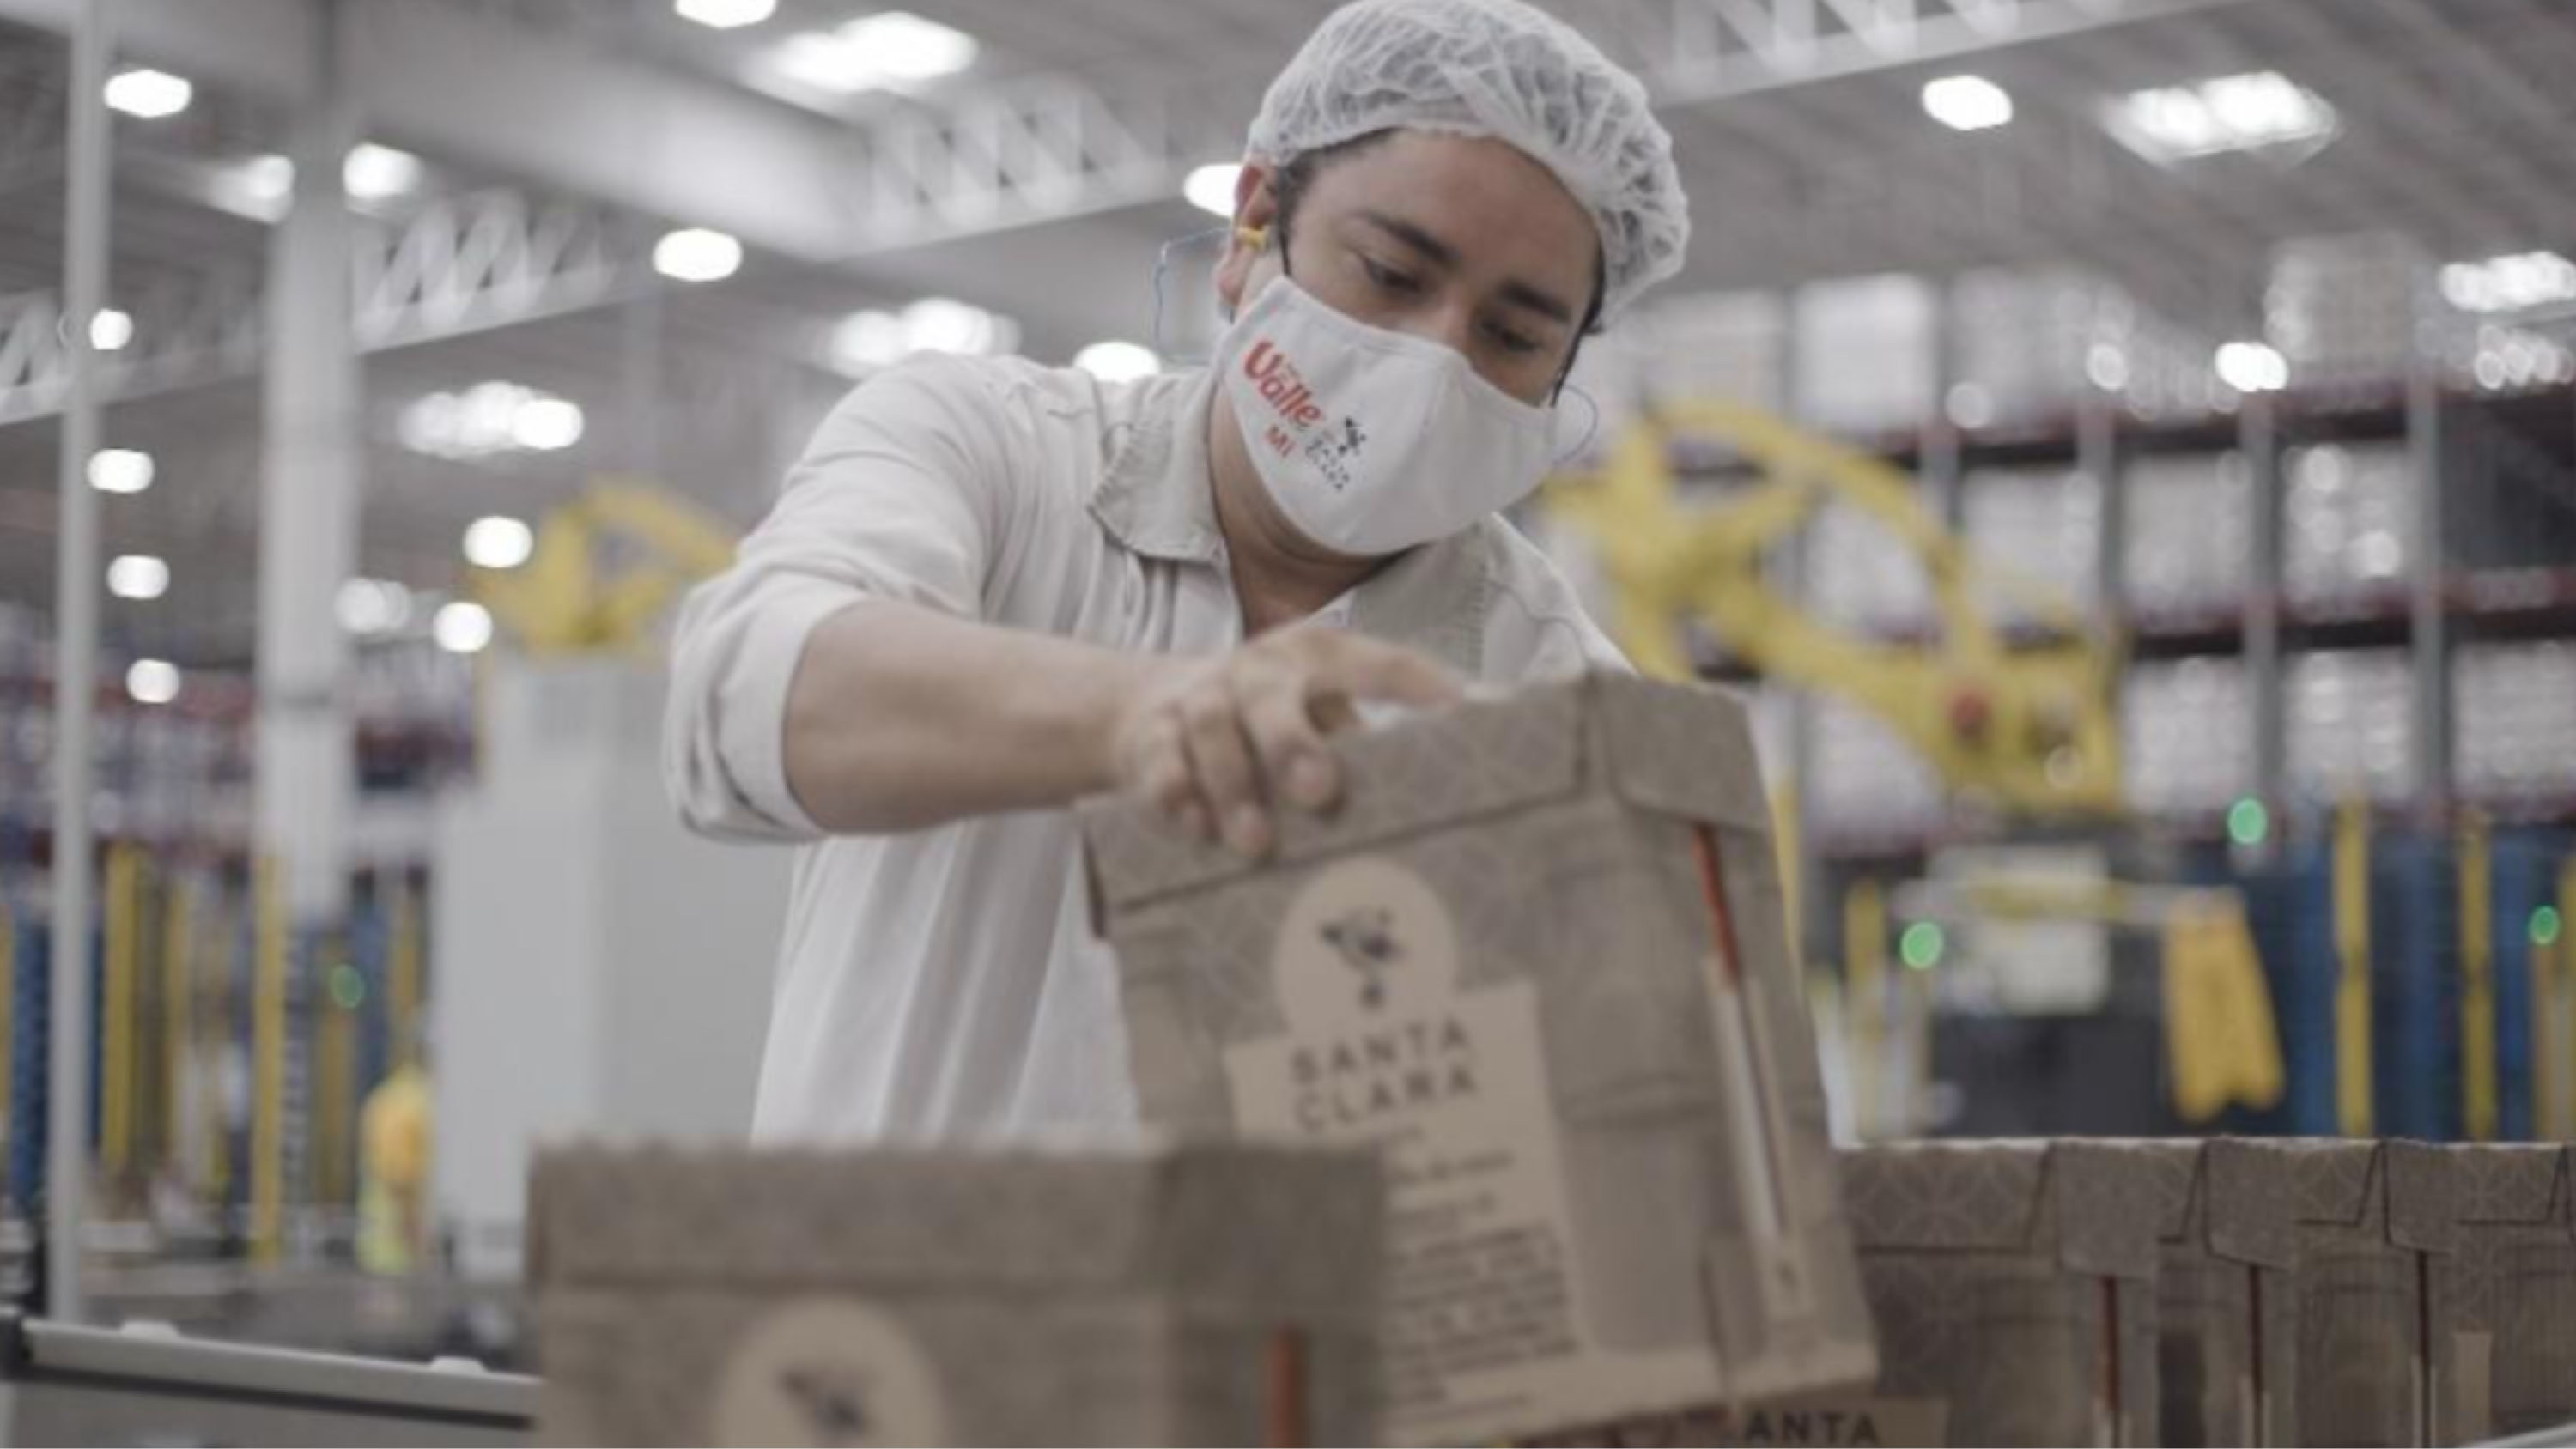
point(1413, 236)
point(1515, 291)
point(1546, 304)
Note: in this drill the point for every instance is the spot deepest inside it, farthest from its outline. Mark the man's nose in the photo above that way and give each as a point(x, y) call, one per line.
point(1452, 324)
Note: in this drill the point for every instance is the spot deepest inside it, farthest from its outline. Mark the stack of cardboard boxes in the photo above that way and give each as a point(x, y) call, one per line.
point(1523, 1026)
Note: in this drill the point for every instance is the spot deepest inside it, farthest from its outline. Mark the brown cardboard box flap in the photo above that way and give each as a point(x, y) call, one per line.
point(2522, 1182)
point(2176, 1169)
point(1229, 1223)
point(2229, 1197)
point(2091, 1207)
point(1681, 750)
point(2419, 1197)
point(2396, 1188)
point(1474, 759)
point(1674, 749)
point(2251, 1204)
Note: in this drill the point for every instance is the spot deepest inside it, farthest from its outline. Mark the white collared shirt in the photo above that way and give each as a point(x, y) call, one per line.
point(946, 982)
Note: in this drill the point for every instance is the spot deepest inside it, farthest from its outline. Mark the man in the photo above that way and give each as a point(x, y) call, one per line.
point(990, 588)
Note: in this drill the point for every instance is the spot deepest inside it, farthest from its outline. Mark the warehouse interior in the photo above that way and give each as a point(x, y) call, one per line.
point(2121, 454)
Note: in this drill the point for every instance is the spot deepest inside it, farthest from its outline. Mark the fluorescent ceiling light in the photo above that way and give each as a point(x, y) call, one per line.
point(152, 681)
point(546, 424)
point(110, 330)
point(1967, 103)
point(1211, 188)
point(269, 177)
point(148, 94)
point(893, 48)
point(138, 576)
point(120, 470)
point(1118, 361)
point(2252, 367)
point(868, 340)
point(2225, 113)
point(462, 627)
point(2510, 283)
point(374, 173)
point(695, 254)
point(943, 324)
point(725, 14)
point(2107, 366)
point(498, 542)
point(373, 606)
point(490, 418)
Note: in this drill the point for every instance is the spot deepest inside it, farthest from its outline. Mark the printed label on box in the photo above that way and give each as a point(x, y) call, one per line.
point(1486, 1295)
point(828, 1371)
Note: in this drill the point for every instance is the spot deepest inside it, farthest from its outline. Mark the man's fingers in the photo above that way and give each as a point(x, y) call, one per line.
point(1158, 773)
point(1284, 739)
point(1222, 763)
point(1367, 669)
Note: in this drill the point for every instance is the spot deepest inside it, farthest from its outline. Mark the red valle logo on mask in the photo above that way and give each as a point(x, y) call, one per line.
point(1276, 379)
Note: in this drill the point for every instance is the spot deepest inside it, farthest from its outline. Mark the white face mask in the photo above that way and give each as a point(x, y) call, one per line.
point(1371, 441)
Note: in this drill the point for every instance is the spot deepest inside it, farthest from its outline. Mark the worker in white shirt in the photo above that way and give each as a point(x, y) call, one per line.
point(991, 588)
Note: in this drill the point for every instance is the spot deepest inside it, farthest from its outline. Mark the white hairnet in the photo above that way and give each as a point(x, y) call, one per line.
point(1502, 69)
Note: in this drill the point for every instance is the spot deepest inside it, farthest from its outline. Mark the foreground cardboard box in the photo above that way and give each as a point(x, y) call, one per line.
point(2375, 1297)
point(2226, 1293)
point(1194, 1295)
point(2514, 1334)
point(1538, 957)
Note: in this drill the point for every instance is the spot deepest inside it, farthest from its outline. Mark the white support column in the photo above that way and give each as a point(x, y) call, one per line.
point(309, 514)
point(76, 587)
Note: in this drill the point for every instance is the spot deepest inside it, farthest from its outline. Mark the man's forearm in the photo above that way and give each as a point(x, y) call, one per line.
point(900, 718)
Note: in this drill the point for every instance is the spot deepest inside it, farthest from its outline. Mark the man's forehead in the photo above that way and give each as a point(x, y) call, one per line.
point(1467, 198)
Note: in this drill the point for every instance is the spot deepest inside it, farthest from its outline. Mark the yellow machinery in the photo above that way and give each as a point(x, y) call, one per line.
point(2023, 723)
point(605, 567)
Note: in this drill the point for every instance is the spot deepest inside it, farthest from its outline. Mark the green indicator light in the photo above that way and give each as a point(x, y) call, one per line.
point(2248, 822)
point(2544, 926)
point(1920, 946)
point(348, 987)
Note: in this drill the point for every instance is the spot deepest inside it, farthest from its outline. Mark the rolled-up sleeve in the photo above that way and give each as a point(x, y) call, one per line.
point(902, 495)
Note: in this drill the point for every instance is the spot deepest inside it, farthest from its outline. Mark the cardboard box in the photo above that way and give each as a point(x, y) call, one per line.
point(2014, 1288)
point(2514, 1331)
point(2374, 1293)
point(2226, 1293)
point(1223, 1294)
point(1538, 956)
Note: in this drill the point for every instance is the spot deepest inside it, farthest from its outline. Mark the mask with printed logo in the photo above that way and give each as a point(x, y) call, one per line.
point(1372, 441)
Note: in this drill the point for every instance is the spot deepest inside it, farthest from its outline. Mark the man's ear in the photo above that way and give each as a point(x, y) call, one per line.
point(1256, 218)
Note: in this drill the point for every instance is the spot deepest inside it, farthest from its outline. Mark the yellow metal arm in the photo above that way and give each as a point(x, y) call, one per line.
point(2024, 723)
point(606, 565)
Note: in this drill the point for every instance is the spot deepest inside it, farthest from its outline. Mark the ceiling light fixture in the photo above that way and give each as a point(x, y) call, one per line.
point(889, 50)
point(148, 94)
point(696, 254)
point(1967, 103)
point(2246, 112)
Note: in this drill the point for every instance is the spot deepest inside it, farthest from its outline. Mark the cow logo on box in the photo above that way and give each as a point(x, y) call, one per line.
point(1365, 938)
point(1363, 933)
point(828, 1371)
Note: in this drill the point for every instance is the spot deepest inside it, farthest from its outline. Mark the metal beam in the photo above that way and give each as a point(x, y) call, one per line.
point(527, 103)
point(466, 264)
point(539, 104)
point(76, 595)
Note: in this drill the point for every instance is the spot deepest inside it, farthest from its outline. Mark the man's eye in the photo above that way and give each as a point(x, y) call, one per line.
point(1388, 278)
point(1511, 340)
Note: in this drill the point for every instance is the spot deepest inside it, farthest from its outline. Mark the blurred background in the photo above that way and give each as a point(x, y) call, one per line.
point(2166, 674)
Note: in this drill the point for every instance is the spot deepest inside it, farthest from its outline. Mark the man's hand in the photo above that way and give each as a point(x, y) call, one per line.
point(1215, 743)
